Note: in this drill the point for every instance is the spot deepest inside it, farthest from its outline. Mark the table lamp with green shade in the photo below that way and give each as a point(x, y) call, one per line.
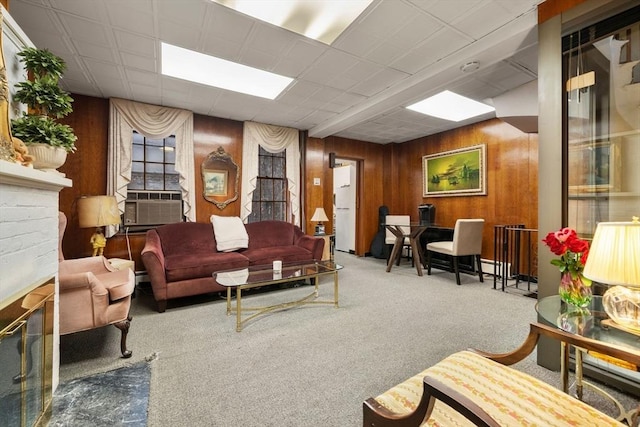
point(614, 260)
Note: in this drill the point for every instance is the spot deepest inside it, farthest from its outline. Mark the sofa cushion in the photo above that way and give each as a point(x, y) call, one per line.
point(230, 233)
point(186, 238)
point(266, 256)
point(268, 234)
point(197, 265)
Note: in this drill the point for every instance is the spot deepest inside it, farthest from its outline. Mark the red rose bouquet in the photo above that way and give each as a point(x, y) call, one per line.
point(573, 252)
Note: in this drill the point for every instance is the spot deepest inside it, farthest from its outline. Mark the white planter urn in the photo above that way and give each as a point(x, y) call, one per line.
point(47, 157)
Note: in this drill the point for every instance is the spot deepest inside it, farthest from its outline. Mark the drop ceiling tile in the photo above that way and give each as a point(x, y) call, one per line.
point(141, 21)
point(115, 88)
point(445, 10)
point(271, 40)
point(142, 77)
point(359, 43)
point(179, 36)
point(385, 18)
point(136, 43)
point(442, 44)
point(378, 82)
point(82, 29)
point(83, 87)
point(229, 25)
point(188, 14)
point(483, 20)
point(102, 70)
point(140, 62)
point(92, 9)
point(99, 52)
point(150, 94)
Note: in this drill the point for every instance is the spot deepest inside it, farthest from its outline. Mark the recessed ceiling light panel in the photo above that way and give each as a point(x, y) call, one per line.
point(197, 67)
point(451, 106)
point(317, 19)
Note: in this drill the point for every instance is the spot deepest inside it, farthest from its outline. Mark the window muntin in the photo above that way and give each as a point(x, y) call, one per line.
point(270, 195)
point(153, 164)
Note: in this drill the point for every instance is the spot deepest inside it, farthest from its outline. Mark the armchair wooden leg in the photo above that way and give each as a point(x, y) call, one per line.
point(456, 269)
point(480, 274)
point(428, 263)
point(124, 327)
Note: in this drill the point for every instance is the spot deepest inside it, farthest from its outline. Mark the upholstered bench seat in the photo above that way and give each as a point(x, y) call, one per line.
point(508, 396)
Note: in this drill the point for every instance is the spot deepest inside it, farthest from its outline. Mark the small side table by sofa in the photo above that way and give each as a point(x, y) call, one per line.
point(121, 264)
point(329, 244)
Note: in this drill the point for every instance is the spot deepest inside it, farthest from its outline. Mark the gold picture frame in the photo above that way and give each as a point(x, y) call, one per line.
point(220, 178)
point(458, 172)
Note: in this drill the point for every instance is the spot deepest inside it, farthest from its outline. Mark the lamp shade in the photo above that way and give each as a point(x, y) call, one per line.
point(98, 211)
point(614, 255)
point(319, 215)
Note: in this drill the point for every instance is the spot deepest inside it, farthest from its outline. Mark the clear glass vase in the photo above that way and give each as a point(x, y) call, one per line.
point(574, 291)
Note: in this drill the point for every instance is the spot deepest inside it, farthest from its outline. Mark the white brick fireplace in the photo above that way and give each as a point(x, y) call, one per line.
point(29, 236)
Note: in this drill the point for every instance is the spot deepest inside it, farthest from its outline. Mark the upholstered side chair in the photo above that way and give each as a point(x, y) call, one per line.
point(93, 294)
point(467, 240)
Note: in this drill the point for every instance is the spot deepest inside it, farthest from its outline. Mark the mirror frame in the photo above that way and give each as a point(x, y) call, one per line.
point(220, 178)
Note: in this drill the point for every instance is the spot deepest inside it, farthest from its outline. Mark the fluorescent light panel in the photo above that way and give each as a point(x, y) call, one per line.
point(319, 20)
point(451, 106)
point(197, 67)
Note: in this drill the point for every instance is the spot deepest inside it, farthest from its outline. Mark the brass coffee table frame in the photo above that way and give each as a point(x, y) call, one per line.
point(262, 276)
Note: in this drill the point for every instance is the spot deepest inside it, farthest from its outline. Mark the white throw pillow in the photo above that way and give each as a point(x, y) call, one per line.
point(230, 233)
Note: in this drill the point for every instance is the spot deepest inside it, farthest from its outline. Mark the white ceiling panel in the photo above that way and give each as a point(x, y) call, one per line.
point(395, 53)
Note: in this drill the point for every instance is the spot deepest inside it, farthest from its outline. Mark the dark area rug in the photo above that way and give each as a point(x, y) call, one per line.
point(114, 398)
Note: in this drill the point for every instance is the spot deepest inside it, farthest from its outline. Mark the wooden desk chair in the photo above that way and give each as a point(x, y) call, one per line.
point(467, 240)
point(390, 238)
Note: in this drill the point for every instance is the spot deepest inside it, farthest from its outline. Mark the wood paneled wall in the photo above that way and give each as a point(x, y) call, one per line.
point(512, 179)
point(389, 175)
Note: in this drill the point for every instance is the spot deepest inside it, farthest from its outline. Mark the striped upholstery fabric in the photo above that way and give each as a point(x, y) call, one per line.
point(511, 397)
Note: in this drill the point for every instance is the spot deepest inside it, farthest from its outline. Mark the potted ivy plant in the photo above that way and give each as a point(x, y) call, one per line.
point(48, 140)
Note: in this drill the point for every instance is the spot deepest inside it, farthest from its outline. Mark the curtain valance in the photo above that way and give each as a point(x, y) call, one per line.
point(152, 121)
point(274, 139)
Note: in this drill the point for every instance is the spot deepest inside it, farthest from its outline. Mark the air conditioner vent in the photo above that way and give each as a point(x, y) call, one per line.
point(152, 208)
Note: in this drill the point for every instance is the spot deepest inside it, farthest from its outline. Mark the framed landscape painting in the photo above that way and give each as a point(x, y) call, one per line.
point(215, 182)
point(455, 173)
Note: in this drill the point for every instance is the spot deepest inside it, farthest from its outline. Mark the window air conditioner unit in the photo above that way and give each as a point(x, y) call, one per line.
point(152, 209)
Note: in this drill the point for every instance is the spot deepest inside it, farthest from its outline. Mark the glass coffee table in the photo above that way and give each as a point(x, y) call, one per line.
point(265, 275)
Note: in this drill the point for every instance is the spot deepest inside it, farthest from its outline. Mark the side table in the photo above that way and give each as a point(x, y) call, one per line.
point(121, 264)
point(589, 335)
point(329, 244)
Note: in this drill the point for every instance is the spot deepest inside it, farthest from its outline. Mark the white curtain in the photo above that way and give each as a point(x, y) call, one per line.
point(152, 121)
point(274, 139)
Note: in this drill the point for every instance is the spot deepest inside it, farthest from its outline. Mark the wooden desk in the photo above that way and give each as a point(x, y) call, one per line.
point(414, 239)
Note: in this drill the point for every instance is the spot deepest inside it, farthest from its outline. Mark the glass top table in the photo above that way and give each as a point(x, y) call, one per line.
point(593, 326)
point(264, 275)
point(590, 322)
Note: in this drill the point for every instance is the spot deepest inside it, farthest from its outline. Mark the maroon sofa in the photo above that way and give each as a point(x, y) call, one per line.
point(180, 258)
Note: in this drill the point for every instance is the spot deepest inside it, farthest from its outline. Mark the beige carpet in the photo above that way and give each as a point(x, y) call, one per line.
point(311, 365)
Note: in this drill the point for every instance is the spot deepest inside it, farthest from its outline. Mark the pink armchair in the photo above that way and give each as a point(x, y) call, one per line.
point(93, 294)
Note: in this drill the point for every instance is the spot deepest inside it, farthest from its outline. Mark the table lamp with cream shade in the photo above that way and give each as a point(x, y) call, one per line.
point(320, 217)
point(614, 260)
point(98, 211)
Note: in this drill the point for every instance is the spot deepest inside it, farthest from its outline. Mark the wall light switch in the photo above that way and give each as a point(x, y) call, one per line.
point(316, 181)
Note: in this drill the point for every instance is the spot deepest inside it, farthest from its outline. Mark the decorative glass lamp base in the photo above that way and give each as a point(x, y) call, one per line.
point(623, 307)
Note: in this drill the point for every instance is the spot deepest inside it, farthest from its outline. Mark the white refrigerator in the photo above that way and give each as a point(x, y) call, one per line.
point(344, 182)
